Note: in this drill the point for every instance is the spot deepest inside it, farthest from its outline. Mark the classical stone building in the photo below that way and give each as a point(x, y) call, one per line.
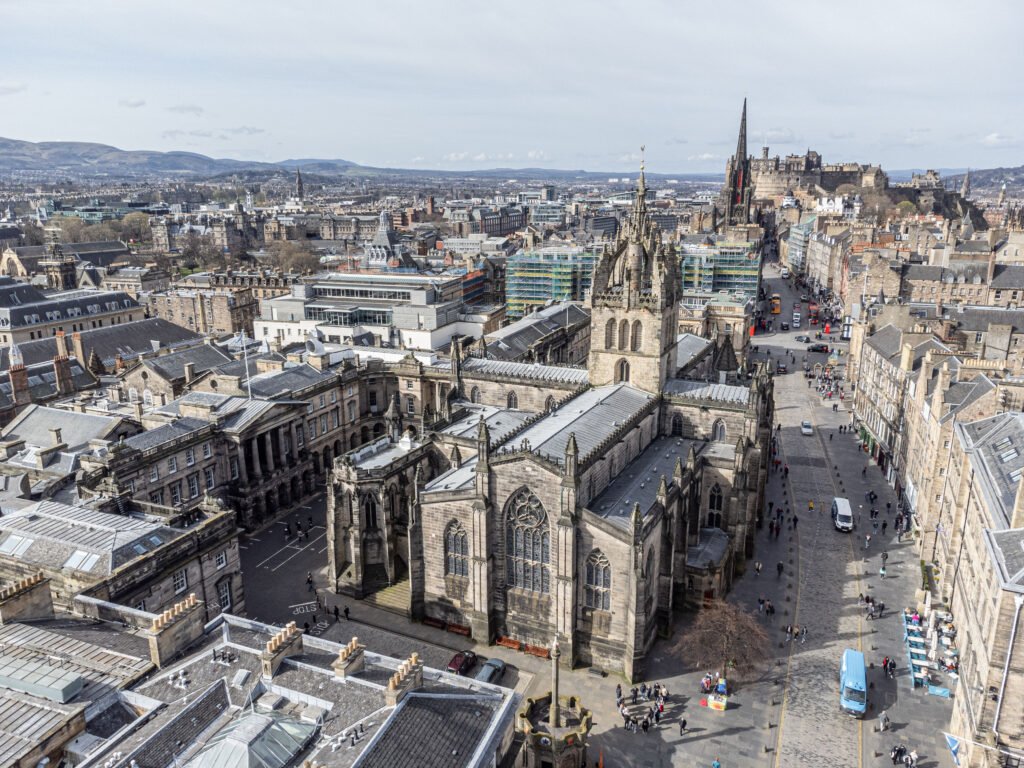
point(539, 501)
point(215, 312)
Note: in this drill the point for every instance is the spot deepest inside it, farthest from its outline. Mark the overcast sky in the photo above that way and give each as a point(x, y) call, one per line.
point(558, 84)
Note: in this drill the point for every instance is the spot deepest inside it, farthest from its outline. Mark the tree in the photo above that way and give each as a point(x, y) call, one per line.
point(723, 636)
point(293, 256)
point(135, 228)
point(71, 229)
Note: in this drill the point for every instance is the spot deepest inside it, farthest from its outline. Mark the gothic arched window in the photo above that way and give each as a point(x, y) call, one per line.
point(513, 400)
point(527, 544)
point(624, 334)
point(609, 335)
point(621, 371)
point(370, 512)
point(456, 550)
point(597, 590)
point(474, 395)
point(677, 425)
point(715, 498)
point(638, 336)
point(718, 431)
point(714, 519)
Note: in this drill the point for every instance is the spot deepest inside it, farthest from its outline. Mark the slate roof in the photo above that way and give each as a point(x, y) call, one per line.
point(57, 532)
point(1008, 276)
point(33, 426)
point(127, 339)
point(172, 365)
point(1007, 549)
point(42, 381)
point(688, 346)
point(439, 730)
point(165, 433)
point(514, 341)
point(886, 341)
point(71, 305)
point(523, 370)
point(995, 449)
point(703, 390)
point(14, 293)
point(276, 384)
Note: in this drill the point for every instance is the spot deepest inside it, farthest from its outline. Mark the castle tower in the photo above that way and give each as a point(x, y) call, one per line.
point(634, 305)
point(736, 192)
point(965, 187)
point(300, 192)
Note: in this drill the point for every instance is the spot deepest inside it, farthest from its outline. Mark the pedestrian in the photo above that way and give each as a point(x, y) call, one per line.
point(643, 691)
point(716, 764)
point(789, 632)
point(885, 524)
point(885, 556)
point(786, 471)
point(881, 609)
point(335, 614)
point(771, 528)
point(883, 721)
point(830, 437)
point(770, 505)
point(346, 614)
point(633, 694)
point(645, 725)
point(657, 717)
point(309, 581)
point(310, 524)
point(770, 609)
point(803, 634)
point(864, 472)
point(757, 568)
point(305, 626)
point(795, 521)
point(779, 568)
point(867, 540)
point(682, 726)
point(760, 604)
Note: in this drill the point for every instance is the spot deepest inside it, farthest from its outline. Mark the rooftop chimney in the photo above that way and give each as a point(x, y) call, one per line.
point(55, 431)
point(190, 372)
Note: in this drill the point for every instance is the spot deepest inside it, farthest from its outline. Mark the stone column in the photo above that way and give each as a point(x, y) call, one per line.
point(243, 473)
point(295, 440)
point(254, 449)
point(268, 444)
point(281, 445)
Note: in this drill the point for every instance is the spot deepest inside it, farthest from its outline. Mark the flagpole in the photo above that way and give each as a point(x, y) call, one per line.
point(245, 357)
point(963, 740)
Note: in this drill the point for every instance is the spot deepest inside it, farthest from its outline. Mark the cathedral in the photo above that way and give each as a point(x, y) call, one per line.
point(541, 501)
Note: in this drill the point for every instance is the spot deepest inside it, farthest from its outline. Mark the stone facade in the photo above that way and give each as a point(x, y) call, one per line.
point(213, 312)
point(517, 502)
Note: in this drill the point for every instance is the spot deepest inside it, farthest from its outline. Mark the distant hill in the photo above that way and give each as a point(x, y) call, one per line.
point(88, 159)
point(993, 178)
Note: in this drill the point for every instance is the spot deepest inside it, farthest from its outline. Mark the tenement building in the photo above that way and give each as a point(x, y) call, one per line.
point(540, 501)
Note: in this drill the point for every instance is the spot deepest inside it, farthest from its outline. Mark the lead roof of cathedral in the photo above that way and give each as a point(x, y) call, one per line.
point(703, 390)
point(500, 421)
point(523, 370)
point(638, 482)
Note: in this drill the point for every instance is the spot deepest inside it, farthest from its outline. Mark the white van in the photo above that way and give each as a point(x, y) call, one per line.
point(796, 319)
point(785, 272)
point(842, 515)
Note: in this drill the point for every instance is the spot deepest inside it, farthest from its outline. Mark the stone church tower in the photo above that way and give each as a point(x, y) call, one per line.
point(634, 305)
point(737, 190)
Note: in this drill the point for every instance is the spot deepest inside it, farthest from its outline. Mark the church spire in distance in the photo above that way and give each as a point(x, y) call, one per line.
point(741, 140)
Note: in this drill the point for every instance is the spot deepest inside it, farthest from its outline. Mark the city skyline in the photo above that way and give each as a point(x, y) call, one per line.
point(564, 87)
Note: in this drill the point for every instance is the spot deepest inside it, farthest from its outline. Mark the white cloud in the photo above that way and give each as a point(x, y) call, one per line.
point(704, 157)
point(132, 103)
point(418, 159)
point(780, 136)
point(998, 140)
point(536, 154)
point(246, 130)
point(630, 157)
point(177, 134)
point(455, 157)
point(9, 89)
point(677, 141)
point(186, 109)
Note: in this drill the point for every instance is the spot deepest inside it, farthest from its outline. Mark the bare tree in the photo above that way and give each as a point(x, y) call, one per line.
point(293, 256)
point(723, 636)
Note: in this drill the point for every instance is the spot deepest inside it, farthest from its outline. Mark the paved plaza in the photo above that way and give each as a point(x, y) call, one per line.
point(783, 714)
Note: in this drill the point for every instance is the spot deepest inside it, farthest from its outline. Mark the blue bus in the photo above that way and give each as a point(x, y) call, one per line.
point(853, 687)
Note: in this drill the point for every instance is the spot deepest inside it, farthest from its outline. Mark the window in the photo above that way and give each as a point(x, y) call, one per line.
point(513, 400)
point(409, 384)
point(638, 336)
point(323, 424)
point(81, 561)
point(190, 456)
point(154, 473)
point(624, 334)
point(233, 467)
point(176, 493)
point(172, 465)
point(210, 478)
point(373, 398)
point(131, 486)
point(456, 550)
point(335, 419)
point(527, 544)
point(334, 396)
point(978, 337)
point(715, 498)
point(193, 485)
point(15, 545)
point(474, 395)
point(351, 406)
point(221, 559)
point(609, 335)
point(224, 595)
point(410, 405)
point(312, 428)
point(140, 605)
point(718, 431)
point(323, 401)
point(370, 510)
point(207, 450)
point(597, 591)
point(180, 581)
point(157, 497)
point(300, 434)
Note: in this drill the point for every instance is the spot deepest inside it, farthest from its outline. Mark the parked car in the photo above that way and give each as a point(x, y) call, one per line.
point(804, 339)
point(806, 428)
point(818, 348)
point(805, 297)
point(784, 326)
point(462, 662)
point(492, 671)
point(781, 368)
